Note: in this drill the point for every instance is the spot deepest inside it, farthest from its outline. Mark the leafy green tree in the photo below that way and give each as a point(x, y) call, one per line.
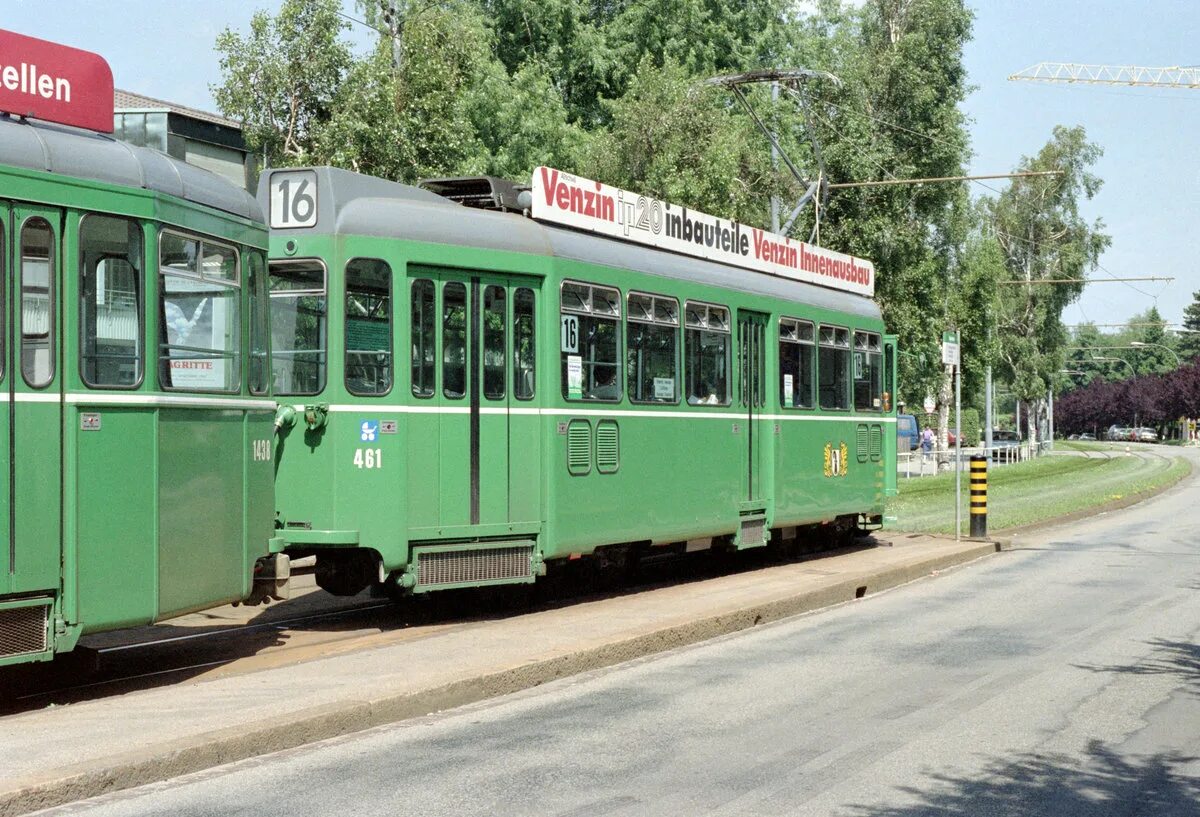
point(1189, 342)
point(1155, 357)
point(681, 142)
point(897, 115)
point(522, 122)
point(568, 39)
point(415, 119)
point(973, 287)
point(1037, 222)
point(705, 37)
point(281, 80)
point(1081, 354)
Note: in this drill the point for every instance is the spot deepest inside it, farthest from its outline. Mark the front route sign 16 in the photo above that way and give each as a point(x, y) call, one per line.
point(950, 348)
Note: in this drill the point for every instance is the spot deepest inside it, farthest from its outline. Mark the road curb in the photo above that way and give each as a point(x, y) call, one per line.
point(215, 748)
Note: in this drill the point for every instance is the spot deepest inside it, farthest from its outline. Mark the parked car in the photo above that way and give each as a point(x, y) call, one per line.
point(1073, 437)
point(1086, 436)
point(1146, 435)
point(1120, 433)
point(1003, 443)
point(908, 435)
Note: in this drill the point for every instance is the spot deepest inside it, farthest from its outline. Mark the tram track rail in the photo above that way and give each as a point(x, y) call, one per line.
point(162, 655)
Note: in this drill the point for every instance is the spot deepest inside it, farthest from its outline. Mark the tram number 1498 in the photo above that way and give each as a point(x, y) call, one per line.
point(368, 458)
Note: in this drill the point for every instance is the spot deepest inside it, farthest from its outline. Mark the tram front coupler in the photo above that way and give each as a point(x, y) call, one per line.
point(272, 580)
point(315, 416)
point(285, 418)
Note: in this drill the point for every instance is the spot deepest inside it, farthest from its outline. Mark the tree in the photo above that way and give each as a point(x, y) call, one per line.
point(680, 141)
point(569, 40)
point(896, 115)
point(1153, 400)
point(415, 119)
point(1189, 342)
point(1037, 222)
point(1155, 357)
point(1081, 354)
point(281, 80)
point(522, 122)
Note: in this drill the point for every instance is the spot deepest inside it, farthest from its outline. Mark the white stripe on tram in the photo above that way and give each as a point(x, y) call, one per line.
point(150, 400)
point(361, 408)
point(180, 401)
point(167, 401)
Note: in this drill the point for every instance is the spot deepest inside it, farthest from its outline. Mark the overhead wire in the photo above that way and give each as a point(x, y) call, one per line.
point(941, 140)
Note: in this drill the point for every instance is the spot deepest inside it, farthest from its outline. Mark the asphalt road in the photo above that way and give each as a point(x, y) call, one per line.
point(1061, 678)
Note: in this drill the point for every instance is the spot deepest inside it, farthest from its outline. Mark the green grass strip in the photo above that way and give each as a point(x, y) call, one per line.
point(1033, 491)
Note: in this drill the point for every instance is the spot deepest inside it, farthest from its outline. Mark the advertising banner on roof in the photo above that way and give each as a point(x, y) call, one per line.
point(55, 83)
point(577, 202)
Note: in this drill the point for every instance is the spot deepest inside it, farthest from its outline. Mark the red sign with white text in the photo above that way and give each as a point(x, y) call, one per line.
point(55, 83)
point(587, 205)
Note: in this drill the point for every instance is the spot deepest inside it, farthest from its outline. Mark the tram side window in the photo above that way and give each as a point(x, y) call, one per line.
point(368, 327)
point(454, 340)
point(797, 362)
point(591, 319)
point(868, 371)
point(424, 334)
point(200, 315)
point(256, 283)
point(110, 302)
point(37, 299)
point(494, 341)
point(524, 344)
point(833, 368)
point(889, 376)
point(298, 326)
point(652, 348)
point(706, 346)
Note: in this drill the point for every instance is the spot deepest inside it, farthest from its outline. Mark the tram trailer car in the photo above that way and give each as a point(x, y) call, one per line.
point(138, 484)
point(556, 393)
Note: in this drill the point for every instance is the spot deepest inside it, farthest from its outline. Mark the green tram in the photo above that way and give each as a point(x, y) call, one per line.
point(557, 394)
point(134, 398)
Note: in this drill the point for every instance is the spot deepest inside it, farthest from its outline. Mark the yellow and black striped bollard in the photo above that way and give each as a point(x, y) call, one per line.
point(979, 466)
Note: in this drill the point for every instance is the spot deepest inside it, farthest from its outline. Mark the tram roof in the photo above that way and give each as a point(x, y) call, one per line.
point(365, 205)
point(82, 154)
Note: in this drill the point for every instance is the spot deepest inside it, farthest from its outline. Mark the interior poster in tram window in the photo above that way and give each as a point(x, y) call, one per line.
point(196, 317)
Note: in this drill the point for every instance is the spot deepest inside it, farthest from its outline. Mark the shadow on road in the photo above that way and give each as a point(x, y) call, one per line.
point(1178, 658)
point(1103, 782)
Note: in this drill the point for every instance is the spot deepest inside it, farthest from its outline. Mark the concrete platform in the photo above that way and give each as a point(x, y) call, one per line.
point(62, 754)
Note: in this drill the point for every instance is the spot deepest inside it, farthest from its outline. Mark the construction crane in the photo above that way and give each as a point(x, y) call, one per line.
point(1132, 75)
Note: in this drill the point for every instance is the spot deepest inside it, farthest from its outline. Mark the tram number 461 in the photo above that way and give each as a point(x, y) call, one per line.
point(368, 458)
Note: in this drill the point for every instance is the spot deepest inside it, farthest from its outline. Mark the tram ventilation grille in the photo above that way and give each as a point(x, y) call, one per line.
point(23, 630)
point(608, 447)
point(474, 566)
point(876, 443)
point(860, 442)
point(579, 447)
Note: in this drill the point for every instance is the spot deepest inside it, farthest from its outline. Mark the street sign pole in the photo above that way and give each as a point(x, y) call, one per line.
point(951, 355)
point(957, 453)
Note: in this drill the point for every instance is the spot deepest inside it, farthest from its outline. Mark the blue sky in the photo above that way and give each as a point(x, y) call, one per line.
point(1151, 168)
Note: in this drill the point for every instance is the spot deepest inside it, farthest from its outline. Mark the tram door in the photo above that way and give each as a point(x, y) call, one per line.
point(32, 427)
point(752, 334)
point(488, 459)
